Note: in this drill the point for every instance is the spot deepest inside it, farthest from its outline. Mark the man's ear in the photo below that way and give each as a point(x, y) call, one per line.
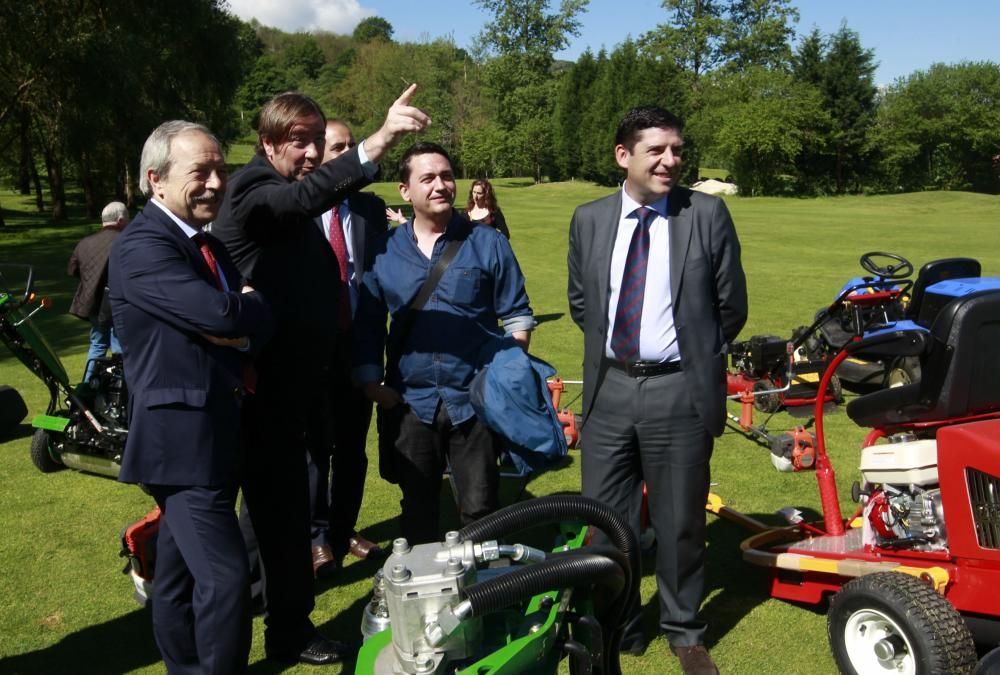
point(154, 181)
point(622, 155)
point(404, 192)
point(268, 146)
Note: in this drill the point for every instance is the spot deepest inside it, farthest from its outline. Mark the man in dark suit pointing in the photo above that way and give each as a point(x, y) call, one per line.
point(183, 319)
point(656, 284)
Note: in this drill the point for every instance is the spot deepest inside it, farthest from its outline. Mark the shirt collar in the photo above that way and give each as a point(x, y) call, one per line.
point(629, 205)
point(185, 228)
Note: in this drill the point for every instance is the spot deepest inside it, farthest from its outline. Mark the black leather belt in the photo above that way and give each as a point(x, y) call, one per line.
point(646, 368)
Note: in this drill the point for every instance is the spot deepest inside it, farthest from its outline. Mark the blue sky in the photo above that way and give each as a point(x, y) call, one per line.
point(906, 35)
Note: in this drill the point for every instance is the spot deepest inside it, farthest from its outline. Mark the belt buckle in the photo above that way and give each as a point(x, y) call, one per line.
point(635, 369)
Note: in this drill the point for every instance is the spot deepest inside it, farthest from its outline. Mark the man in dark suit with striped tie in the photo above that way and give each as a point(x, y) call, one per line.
point(185, 322)
point(352, 227)
point(656, 284)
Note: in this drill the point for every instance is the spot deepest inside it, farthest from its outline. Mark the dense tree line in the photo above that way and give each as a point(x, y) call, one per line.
point(782, 115)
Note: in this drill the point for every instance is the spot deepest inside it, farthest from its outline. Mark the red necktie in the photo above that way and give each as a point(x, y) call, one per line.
point(249, 372)
point(206, 252)
point(339, 245)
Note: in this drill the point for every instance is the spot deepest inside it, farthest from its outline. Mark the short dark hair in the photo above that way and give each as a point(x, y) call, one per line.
point(279, 115)
point(420, 148)
point(644, 117)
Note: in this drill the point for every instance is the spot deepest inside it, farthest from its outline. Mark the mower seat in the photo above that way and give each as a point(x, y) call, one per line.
point(960, 370)
point(935, 271)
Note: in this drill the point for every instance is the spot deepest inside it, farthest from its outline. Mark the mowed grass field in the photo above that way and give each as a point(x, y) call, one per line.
point(65, 607)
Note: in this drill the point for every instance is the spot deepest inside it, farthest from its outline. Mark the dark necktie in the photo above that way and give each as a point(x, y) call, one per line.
point(206, 252)
point(339, 245)
point(628, 315)
point(249, 372)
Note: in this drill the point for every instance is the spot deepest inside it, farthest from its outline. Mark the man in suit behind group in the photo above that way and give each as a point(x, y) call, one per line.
point(335, 502)
point(183, 323)
point(656, 284)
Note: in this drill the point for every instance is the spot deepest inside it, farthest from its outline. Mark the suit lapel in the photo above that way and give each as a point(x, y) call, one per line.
point(679, 228)
point(358, 225)
point(605, 230)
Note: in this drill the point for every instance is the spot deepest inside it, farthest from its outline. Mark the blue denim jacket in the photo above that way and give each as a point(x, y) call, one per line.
point(482, 287)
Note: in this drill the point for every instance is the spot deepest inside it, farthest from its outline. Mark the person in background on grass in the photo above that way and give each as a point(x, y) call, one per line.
point(657, 286)
point(89, 263)
point(440, 351)
point(482, 207)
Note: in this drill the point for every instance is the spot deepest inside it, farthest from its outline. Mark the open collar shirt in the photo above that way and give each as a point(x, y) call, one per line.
point(482, 288)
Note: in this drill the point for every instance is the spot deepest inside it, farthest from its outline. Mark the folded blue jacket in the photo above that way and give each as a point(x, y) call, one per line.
point(510, 396)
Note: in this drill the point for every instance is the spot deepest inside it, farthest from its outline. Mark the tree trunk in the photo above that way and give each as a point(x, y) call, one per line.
point(130, 187)
point(57, 187)
point(87, 183)
point(27, 159)
point(37, 182)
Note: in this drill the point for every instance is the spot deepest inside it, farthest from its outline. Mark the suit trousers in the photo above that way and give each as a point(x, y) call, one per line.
point(423, 451)
point(337, 441)
point(646, 428)
point(276, 493)
point(201, 596)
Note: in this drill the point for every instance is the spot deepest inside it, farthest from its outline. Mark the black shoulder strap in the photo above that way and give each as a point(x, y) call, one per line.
point(423, 295)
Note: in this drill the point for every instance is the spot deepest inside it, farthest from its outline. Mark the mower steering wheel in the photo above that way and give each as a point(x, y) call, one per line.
point(889, 271)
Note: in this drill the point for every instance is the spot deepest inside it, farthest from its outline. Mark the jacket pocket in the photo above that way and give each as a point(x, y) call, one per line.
point(172, 396)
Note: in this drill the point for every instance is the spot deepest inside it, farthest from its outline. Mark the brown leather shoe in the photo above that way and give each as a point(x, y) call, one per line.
point(324, 564)
point(362, 548)
point(695, 660)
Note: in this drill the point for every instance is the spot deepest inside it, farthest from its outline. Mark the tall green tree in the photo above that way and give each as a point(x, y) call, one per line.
point(373, 28)
point(518, 49)
point(849, 93)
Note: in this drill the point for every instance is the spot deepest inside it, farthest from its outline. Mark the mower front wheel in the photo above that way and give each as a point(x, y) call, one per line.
point(891, 622)
point(41, 452)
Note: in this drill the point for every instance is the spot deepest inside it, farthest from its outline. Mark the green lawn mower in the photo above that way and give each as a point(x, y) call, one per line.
point(473, 605)
point(84, 426)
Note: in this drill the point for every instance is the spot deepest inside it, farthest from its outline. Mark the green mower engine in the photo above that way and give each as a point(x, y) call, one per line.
point(474, 605)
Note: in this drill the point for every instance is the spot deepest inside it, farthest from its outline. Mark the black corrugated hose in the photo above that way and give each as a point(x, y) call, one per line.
point(572, 569)
point(557, 508)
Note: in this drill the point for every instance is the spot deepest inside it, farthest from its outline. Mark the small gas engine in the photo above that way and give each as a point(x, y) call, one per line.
point(902, 499)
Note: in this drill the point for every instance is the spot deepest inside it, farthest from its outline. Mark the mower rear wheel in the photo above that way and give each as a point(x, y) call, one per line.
point(41, 452)
point(891, 622)
point(766, 403)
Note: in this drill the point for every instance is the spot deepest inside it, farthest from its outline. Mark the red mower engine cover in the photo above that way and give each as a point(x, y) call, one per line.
point(794, 450)
point(139, 547)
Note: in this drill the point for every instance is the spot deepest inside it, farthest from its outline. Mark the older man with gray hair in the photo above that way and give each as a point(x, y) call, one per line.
point(186, 322)
point(89, 263)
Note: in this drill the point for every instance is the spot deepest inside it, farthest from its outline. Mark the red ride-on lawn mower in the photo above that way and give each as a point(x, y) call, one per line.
point(912, 575)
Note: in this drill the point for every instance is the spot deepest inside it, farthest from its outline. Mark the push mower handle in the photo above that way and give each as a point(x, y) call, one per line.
point(28, 285)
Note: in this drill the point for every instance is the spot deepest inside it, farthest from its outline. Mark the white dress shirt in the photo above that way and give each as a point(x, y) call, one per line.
point(657, 336)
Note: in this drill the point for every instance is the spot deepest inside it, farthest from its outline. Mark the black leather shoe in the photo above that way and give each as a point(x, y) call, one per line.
point(319, 652)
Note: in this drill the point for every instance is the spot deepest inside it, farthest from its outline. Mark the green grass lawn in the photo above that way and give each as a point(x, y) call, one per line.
point(65, 607)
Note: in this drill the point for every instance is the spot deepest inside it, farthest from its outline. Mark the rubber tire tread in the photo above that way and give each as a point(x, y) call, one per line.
point(41, 457)
point(941, 641)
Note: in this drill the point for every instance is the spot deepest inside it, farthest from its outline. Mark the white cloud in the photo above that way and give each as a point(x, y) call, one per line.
point(332, 16)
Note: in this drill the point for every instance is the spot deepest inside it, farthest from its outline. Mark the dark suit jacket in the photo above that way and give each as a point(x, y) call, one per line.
point(267, 222)
point(183, 391)
point(89, 263)
point(707, 285)
point(368, 223)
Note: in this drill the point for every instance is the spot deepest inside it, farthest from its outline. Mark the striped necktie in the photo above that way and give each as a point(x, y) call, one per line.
point(628, 315)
